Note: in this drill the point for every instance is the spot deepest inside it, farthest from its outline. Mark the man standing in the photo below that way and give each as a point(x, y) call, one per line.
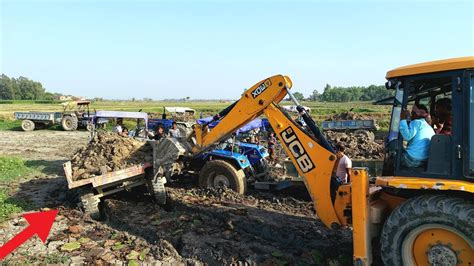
point(417, 133)
point(271, 145)
point(344, 164)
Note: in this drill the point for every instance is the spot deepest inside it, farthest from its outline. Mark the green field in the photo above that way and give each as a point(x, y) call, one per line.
point(319, 110)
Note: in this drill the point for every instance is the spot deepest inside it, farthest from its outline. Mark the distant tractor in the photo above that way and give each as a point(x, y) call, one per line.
point(74, 115)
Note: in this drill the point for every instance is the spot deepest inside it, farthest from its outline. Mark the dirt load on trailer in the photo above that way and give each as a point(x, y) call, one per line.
point(112, 151)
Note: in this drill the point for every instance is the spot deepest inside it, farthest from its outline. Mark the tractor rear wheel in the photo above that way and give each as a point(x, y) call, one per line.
point(69, 123)
point(429, 230)
point(27, 125)
point(218, 173)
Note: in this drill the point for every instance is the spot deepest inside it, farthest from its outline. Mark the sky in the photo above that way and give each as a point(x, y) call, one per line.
point(216, 49)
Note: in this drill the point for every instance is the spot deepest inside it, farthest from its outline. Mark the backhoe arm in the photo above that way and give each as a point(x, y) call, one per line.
point(312, 156)
point(248, 107)
point(312, 160)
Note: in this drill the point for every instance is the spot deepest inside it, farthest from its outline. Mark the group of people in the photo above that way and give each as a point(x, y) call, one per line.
point(418, 127)
point(158, 134)
point(120, 129)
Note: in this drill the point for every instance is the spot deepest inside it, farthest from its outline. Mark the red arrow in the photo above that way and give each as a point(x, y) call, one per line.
point(40, 224)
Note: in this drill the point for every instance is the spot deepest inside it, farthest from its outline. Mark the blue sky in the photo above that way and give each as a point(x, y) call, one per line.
point(216, 49)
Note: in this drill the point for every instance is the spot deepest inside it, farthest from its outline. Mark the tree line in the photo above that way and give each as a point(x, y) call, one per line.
point(22, 88)
point(347, 94)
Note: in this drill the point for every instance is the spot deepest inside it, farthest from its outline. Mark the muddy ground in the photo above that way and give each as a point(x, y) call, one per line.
point(197, 226)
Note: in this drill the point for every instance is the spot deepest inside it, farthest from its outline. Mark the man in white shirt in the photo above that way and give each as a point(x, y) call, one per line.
point(344, 164)
point(174, 131)
point(118, 127)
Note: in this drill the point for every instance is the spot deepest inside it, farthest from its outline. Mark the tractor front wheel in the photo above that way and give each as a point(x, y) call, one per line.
point(218, 173)
point(429, 230)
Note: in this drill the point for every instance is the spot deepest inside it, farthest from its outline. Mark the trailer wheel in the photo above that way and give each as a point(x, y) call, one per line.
point(156, 187)
point(218, 173)
point(69, 123)
point(27, 125)
point(429, 230)
point(90, 205)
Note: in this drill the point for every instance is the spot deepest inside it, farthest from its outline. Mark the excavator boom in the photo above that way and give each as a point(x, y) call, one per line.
point(311, 154)
point(251, 105)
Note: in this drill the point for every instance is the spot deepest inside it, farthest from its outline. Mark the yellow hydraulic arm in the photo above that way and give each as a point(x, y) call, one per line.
point(312, 156)
point(251, 105)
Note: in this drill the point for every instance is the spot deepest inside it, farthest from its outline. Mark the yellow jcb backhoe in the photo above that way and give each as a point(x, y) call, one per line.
point(417, 216)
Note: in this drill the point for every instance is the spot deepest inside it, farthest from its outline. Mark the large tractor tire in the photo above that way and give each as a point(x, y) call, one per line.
point(429, 230)
point(69, 123)
point(90, 205)
point(156, 187)
point(218, 173)
point(27, 125)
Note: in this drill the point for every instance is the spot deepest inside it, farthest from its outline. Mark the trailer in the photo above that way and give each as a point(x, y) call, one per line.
point(74, 115)
point(339, 125)
point(92, 190)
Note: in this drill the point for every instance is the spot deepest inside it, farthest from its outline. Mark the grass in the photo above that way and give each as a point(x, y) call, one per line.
point(10, 205)
point(6, 124)
point(11, 168)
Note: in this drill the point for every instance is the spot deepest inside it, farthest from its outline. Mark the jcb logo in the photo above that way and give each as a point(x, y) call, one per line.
point(261, 88)
point(296, 148)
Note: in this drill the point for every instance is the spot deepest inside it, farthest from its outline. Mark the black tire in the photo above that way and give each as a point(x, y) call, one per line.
point(27, 125)
point(91, 205)
point(414, 217)
point(218, 173)
point(69, 123)
point(156, 187)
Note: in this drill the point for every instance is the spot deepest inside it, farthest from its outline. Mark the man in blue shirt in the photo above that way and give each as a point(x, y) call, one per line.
point(417, 133)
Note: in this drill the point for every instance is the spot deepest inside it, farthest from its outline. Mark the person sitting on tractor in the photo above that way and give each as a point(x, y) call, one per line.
point(417, 133)
point(174, 131)
point(443, 118)
point(159, 133)
point(124, 132)
point(118, 127)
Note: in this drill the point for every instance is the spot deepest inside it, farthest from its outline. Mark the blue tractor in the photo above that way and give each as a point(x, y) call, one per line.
point(233, 165)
